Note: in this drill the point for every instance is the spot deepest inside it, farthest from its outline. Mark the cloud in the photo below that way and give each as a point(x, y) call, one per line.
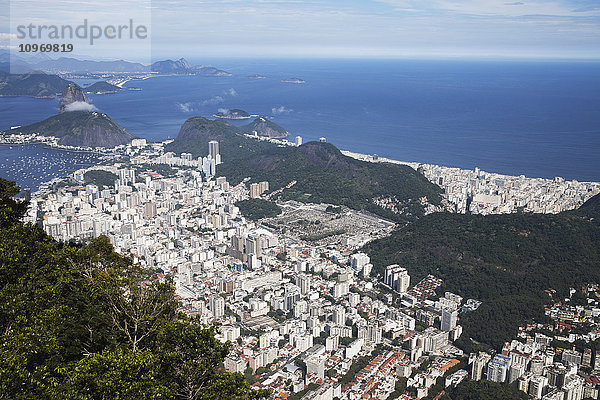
point(8, 36)
point(186, 107)
point(281, 110)
point(213, 101)
point(80, 106)
point(498, 8)
point(232, 92)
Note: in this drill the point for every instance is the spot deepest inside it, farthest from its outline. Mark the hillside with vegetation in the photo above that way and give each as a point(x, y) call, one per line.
point(102, 87)
point(506, 261)
point(34, 84)
point(100, 178)
point(590, 210)
point(256, 209)
point(322, 174)
point(483, 390)
point(265, 127)
point(83, 322)
point(196, 132)
point(79, 128)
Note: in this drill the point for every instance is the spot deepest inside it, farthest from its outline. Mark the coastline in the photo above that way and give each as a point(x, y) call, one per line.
point(463, 190)
point(416, 165)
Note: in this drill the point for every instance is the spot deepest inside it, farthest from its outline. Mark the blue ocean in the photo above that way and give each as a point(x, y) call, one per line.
point(540, 119)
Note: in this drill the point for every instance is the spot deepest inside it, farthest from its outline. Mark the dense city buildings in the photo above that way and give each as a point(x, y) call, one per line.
point(305, 316)
point(480, 192)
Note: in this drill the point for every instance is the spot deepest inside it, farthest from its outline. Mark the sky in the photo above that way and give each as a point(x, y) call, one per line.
point(334, 28)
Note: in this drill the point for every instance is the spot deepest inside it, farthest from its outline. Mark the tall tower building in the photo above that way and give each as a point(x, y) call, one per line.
point(217, 306)
point(449, 318)
point(303, 282)
point(358, 261)
point(339, 315)
point(397, 278)
point(254, 190)
point(498, 369)
point(213, 149)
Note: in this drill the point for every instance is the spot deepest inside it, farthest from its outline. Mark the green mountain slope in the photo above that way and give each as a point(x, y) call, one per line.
point(102, 87)
point(80, 128)
point(506, 261)
point(265, 127)
point(322, 173)
point(35, 84)
point(590, 210)
point(196, 132)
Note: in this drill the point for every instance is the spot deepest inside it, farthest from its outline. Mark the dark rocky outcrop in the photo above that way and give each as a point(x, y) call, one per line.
point(71, 94)
point(265, 127)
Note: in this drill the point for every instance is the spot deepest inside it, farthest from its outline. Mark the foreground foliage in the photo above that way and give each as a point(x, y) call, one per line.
point(83, 323)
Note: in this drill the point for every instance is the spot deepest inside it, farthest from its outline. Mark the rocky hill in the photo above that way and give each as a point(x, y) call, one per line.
point(265, 127)
point(183, 67)
point(321, 172)
point(235, 113)
point(77, 124)
point(102, 88)
point(196, 132)
point(71, 95)
point(80, 128)
point(35, 84)
point(324, 175)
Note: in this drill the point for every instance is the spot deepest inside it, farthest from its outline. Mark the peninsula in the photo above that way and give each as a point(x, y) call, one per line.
point(234, 114)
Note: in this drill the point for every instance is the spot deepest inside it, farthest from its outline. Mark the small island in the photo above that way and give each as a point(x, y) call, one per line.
point(256, 76)
point(234, 114)
point(102, 87)
point(293, 80)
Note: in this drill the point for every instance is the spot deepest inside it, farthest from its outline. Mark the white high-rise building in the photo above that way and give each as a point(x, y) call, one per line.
point(479, 365)
point(216, 304)
point(339, 315)
point(358, 261)
point(498, 369)
point(397, 278)
point(315, 365)
point(213, 149)
point(303, 282)
point(449, 318)
point(298, 140)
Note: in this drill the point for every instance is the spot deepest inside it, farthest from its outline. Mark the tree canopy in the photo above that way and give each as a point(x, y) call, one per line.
point(507, 261)
point(83, 322)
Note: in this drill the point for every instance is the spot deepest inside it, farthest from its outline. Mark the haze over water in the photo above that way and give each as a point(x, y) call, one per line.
point(540, 119)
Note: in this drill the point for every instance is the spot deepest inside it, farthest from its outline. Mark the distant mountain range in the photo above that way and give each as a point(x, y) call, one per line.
point(17, 64)
point(183, 67)
point(37, 77)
